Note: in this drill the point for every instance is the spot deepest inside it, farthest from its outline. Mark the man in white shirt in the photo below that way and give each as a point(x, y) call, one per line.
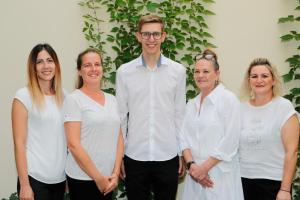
point(151, 96)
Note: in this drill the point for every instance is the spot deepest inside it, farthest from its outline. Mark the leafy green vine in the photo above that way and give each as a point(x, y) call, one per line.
point(184, 23)
point(294, 76)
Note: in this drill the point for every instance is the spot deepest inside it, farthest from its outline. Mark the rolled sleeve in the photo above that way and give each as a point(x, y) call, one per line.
point(226, 149)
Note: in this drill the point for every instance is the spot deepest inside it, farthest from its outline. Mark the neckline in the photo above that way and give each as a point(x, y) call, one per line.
point(92, 100)
point(262, 106)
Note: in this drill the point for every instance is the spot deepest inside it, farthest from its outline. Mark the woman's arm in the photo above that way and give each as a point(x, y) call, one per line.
point(290, 139)
point(119, 156)
point(19, 128)
point(117, 167)
point(199, 172)
point(72, 130)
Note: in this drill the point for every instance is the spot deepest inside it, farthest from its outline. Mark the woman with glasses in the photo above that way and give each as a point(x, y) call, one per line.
point(38, 132)
point(269, 137)
point(210, 136)
point(94, 138)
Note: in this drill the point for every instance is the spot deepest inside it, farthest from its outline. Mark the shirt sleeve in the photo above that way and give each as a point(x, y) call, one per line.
point(23, 96)
point(228, 145)
point(71, 109)
point(122, 100)
point(287, 109)
point(183, 142)
point(180, 104)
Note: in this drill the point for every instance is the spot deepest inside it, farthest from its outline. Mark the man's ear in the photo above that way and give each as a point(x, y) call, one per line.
point(163, 36)
point(138, 37)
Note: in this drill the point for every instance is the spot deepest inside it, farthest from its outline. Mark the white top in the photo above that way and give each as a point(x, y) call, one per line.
point(99, 132)
point(155, 102)
point(212, 130)
point(46, 148)
point(261, 149)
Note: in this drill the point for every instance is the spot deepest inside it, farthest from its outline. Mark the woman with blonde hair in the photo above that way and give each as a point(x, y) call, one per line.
point(38, 132)
point(210, 136)
point(269, 137)
point(94, 137)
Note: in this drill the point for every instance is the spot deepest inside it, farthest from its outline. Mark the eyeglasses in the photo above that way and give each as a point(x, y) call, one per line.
point(209, 57)
point(205, 56)
point(147, 35)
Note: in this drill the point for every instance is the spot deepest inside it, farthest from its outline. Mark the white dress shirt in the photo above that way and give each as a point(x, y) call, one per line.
point(151, 105)
point(212, 130)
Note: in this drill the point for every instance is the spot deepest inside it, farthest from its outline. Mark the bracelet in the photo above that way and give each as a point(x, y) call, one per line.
point(285, 190)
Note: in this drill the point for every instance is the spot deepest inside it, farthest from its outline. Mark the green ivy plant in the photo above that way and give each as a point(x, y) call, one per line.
point(185, 24)
point(294, 76)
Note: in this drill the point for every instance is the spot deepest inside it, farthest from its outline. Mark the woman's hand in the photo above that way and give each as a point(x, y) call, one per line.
point(26, 193)
point(283, 195)
point(206, 182)
point(114, 179)
point(103, 183)
point(197, 172)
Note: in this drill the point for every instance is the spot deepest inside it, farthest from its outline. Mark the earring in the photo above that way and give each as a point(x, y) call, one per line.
point(216, 82)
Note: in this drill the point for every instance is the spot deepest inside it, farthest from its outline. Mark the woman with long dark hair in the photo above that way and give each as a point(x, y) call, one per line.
point(38, 132)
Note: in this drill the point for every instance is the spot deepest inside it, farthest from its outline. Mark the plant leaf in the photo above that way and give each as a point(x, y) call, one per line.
point(287, 77)
point(151, 7)
point(286, 37)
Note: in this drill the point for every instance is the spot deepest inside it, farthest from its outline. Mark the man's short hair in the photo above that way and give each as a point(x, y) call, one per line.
point(150, 19)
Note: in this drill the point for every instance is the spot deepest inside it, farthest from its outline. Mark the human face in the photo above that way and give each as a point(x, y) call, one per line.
point(45, 66)
point(151, 45)
point(205, 75)
point(261, 80)
point(91, 69)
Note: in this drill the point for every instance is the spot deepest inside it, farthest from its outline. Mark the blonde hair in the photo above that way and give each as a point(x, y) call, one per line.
point(34, 88)
point(150, 19)
point(246, 91)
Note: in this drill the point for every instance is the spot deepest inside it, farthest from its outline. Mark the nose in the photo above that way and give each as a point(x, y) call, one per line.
point(259, 78)
point(151, 38)
point(201, 74)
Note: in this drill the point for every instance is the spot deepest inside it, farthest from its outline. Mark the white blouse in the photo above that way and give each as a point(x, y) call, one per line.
point(99, 132)
point(261, 149)
point(46, 147)
point(212, 130)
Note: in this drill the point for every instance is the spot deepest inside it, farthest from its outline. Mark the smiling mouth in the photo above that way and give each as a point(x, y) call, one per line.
point(47, 72)
point(94, 75)
point(151, 45)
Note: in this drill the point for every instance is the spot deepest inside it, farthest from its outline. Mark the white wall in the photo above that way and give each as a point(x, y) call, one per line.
point(23, 24)
point(243, 30)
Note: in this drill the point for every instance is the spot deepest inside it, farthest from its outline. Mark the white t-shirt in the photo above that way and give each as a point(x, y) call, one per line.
point(100, 127)
point(261, 148)
point(46, 148)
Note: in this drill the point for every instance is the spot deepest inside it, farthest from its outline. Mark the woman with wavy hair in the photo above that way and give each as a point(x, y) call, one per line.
point(38, 132)
point(269, 137)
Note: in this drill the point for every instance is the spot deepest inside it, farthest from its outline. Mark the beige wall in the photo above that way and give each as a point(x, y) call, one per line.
point(243, 29)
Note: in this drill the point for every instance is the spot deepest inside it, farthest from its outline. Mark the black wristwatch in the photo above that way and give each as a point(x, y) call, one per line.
point(188, 164)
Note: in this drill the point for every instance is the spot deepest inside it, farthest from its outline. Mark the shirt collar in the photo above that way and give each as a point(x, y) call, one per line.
point(213, 95)
point(161, 61)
